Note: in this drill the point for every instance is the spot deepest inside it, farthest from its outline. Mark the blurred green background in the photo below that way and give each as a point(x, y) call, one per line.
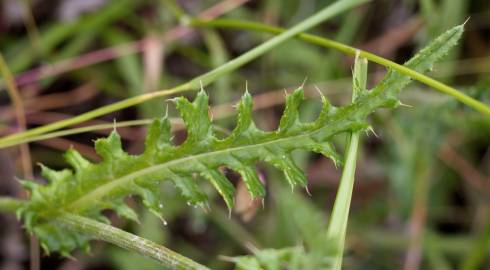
point(422, 191)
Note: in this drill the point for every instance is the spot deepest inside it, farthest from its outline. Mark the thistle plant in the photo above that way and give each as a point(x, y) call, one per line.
point(66, 213)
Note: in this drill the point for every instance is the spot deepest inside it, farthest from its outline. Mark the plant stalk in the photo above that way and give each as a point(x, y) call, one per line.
point(328, 43)
point(9, 205)
point(198, 82)
point(340, 214)
point(128, 241)
point(453, 245)
point(118, 237)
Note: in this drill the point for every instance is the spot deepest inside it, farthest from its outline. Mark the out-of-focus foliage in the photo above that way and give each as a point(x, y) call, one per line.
point(406, 161)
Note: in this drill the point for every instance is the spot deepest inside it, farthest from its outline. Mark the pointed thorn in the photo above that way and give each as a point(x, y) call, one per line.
point(372, 131)
point(464, 24)
point(252, 248)
point(358, 53)
point(304, 82)
point(205, 207)
point(202, 86)
point(319, 91)
point(114, 127)
point(227, 258)
point(307, 191)
point(68, 256)
point(404, 105)
point(166, 111)
point(173, 100)
point(165, 223)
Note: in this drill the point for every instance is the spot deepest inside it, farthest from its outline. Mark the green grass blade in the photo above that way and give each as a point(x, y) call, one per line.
point(324, 14)
point(439, 86)
point(338, 221)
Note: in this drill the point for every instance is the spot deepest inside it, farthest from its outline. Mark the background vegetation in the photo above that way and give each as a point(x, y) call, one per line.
point(422, 191)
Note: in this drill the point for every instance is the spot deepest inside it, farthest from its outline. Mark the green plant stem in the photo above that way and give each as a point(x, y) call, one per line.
point(128, 241)
point(324, 14)
point(118, 237)
point(92, 114)
point(198, 82)
point(448, 245)
point(340, 214)
point(177, 124)
point(9, 205)
point(79, 130)
point(239, 24)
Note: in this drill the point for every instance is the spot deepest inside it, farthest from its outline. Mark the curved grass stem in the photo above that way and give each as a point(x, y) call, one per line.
point(325, 42)
point(196, 83)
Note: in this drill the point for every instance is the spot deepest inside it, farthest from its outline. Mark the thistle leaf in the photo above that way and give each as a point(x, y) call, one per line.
point(89, 188)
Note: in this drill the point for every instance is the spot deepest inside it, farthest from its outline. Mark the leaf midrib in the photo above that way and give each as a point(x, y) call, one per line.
point(106, 188)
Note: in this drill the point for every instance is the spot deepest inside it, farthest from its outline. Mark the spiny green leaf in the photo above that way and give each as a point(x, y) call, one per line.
point(383, 95)
point(92, 187)
point(196, 118)
point(222, 185)
point(422, 62)
point(290, 119)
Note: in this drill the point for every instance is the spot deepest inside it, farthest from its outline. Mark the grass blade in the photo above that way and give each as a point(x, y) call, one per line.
point(340, 214)
point(195, 84)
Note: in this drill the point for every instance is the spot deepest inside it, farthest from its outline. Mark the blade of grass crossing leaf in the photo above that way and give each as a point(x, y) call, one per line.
point(104, 185)
point(452, 35)
point(203, 80)
point(340, 214)
point(219, 56)
point(324, 14)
